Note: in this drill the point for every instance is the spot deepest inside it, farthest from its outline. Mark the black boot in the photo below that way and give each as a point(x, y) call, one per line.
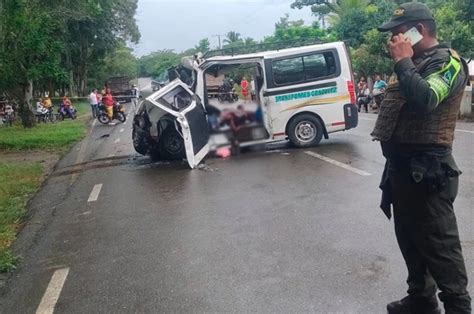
point(412, 305)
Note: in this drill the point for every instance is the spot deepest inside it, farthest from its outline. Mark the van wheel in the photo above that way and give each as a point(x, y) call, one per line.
point(139, 142)
point(171, 145)
point(305, 131)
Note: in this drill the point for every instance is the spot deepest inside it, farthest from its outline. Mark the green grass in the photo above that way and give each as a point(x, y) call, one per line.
point(18, 182)
point(56, 136)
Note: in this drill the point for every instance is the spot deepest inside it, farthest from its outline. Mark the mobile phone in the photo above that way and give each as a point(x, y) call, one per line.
point(414, 35)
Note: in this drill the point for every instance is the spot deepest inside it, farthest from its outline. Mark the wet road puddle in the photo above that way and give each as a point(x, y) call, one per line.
point(138, 162)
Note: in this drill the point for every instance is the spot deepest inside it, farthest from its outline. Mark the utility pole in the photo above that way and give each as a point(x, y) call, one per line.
point(219, 37)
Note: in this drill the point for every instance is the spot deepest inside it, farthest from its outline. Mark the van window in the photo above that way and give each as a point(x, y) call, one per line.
point(303, 68)
point(288, 71)
point(177, 99)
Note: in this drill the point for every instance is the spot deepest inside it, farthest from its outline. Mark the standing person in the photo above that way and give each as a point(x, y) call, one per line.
point(252, 90)
point(379, 90)
point(362, 83)
point(99, 99)
point(363, 95)
point(416, 126)
point(244, 85)
point(135, 95)
point(94, 103)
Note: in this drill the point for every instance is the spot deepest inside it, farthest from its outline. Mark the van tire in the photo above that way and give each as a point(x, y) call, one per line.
point(139, 142)
point(171, 145)
point(305, 130)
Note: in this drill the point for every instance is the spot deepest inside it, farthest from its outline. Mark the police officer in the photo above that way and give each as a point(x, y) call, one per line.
point(415, 126)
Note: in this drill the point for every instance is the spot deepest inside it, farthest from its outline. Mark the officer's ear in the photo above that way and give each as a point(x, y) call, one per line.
point(423, 29)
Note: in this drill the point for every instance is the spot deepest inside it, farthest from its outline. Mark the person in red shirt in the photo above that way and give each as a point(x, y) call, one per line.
point(244, 84)
point(67, 102)
point(66, 106)
point(109, 102)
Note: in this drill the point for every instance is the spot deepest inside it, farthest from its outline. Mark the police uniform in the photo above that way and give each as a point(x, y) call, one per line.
point(415, 126)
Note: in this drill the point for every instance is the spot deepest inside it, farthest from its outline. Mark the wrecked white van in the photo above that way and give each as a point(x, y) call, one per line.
point(300, 94)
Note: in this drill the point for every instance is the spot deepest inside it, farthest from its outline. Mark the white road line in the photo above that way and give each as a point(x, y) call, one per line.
point(121, 130)
point(51, 296)
point(465, 131)
point(338, 163)
point(95, 193)
point(367, 119)
point(117, 141)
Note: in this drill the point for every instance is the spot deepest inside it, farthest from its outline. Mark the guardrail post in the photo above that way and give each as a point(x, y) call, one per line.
point(466, 102)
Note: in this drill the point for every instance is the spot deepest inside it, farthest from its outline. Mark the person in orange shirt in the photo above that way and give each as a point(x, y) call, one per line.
point(46, 102)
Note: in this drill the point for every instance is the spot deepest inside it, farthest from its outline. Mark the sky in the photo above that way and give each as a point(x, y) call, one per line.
point(180, 24)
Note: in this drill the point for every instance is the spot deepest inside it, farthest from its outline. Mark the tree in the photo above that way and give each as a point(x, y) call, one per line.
point(455, 26)
point(290, 33)
point(203, 46)
point(29, 50)
point(248, 41)
point(334, 9)
point(95, 29)
point(54, 44)
point(121, 62)
point(355, 21)
point(232, 39)
point(157, 62)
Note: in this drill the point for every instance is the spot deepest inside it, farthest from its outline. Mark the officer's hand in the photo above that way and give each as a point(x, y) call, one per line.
point(400, 47)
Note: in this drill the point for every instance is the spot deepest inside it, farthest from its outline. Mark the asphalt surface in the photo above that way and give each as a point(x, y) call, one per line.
point(273, 230)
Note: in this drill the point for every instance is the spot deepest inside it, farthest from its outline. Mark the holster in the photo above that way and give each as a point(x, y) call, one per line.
point(434, 171)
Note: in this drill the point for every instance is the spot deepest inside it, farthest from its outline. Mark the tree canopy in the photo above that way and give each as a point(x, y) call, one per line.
point(355, 21)
point(54, 45)
point(68, 46)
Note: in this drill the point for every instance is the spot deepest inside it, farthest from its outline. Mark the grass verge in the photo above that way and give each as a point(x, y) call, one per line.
point(20, 180)
point(57, 136)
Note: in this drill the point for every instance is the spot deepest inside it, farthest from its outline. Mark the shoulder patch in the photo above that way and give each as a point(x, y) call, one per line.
point(440, 82)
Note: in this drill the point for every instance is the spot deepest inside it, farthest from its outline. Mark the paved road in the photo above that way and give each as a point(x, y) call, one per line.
point(279, 230)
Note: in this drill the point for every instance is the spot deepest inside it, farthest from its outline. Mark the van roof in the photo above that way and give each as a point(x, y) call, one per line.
point(277, 53)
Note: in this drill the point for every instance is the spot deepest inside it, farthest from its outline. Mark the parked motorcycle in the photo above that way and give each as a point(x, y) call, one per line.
point(227, 93)
point(118, 113)
point(67, 112)
point(44, 114)
point(9, 115)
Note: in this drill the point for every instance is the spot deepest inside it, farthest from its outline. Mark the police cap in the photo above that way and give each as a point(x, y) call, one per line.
point(407, 12)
